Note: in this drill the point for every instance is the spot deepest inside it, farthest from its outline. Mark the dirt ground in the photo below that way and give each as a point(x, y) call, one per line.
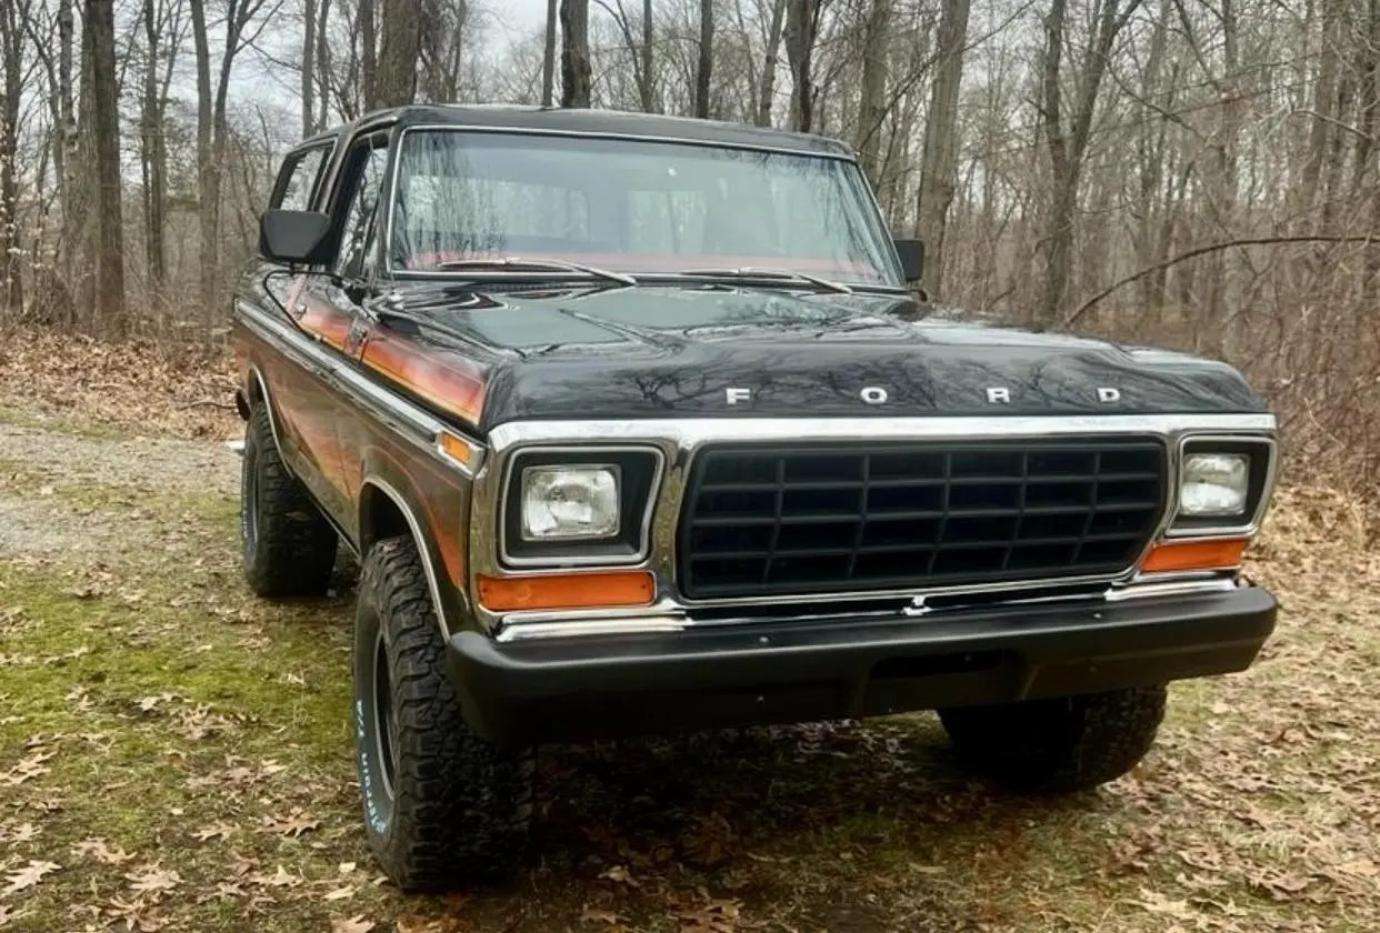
point(174, 753)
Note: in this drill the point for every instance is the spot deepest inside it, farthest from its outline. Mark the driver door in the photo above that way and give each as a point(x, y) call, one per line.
point(329, 306)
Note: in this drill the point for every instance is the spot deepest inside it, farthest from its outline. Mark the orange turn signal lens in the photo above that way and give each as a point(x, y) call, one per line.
point(1195, 555)
point(567, 590)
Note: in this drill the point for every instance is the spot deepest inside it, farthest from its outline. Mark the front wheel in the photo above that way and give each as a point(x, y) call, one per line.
point(1063, 744)
point(441, 804)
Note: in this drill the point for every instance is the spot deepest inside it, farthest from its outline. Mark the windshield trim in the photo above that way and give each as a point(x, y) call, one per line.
point(889, 248)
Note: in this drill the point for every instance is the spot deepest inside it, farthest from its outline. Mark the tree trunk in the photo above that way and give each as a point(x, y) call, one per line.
point(1365, 148)
point(208, 180)
point(872, 103)
point(323, 64)
point(706, 59)
point(151, 154)
point(939, 161)
point(368, 63)
point(768, 89)
point(110, 253)
point(399, 49)
point(67, 131)
point(548, 58)
point(1324, 96)
point(801, 20)
point(576, 71)
point(11, 42)
point(308, 67)
point(648, 86)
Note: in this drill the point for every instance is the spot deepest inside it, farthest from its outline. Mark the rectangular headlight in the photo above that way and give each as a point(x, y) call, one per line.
point(1215, 485)
point(569, 501)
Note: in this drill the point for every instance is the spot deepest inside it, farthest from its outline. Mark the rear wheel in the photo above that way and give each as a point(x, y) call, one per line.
point(289, 547)
point(1063, 744)
point(441, 804)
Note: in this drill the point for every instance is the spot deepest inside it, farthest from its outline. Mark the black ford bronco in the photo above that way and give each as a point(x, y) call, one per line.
point(635, 425)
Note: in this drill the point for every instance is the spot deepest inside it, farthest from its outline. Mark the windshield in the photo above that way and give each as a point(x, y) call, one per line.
point(632, 206)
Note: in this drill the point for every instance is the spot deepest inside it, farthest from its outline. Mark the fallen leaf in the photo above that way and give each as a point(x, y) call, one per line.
point(356, 924)
point(101, 851)
point(21, 879)
point(152, 879)
point(218, 830)
point(620, 875)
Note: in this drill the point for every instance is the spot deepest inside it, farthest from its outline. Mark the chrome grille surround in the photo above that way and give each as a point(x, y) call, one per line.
point(681, 440)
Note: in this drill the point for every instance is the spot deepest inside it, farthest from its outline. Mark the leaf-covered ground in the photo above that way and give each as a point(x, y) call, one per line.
point(174, 754)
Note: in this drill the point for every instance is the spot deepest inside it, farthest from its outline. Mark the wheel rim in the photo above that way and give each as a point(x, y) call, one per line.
point(385, 727)
point(249, 513)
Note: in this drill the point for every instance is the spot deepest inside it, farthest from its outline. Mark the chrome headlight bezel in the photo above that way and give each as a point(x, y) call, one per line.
point(638, 471)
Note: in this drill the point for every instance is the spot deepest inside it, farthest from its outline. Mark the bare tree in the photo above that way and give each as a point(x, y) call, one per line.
point(240, 30)
point(1067, 135)
point(98, 24)
point(309, 16)
point(369, 63)
point(872, 104)
point(639, 52)
point(548, 61)
point(400, 48)
point(767, 89)
point(802, 25)
point(12, 43)
point(576, 70)
point(939, 161)
point(706, 59)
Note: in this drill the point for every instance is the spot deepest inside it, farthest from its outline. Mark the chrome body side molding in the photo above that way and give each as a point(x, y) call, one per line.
point(411, 420)
point(419, 540)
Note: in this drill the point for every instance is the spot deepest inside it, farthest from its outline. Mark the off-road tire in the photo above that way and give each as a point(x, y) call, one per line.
point(1059, 745)
point(441, 804)
point(288, 546)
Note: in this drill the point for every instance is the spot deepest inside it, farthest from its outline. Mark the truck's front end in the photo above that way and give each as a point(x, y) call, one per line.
point(735, 472)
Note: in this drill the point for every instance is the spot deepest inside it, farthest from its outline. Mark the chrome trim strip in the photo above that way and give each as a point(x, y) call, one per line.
point(544, 625)
point(644, 534)
point(681, 439)
point(1263, 506)
point(422, 550)
point(418, 424)
point(1217, 584)
point(546, 630)
point(695, 432)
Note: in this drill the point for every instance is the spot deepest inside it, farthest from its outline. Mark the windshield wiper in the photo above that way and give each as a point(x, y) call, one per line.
point(753, 272)
point(514, 262)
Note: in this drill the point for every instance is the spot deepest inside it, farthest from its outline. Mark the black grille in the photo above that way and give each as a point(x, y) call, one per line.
point(762, 520)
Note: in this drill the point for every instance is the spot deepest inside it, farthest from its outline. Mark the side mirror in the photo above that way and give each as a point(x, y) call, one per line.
point(294, 236)
point(912, 256)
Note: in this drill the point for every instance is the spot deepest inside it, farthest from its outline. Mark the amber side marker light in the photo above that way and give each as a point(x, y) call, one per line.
point(1221, 554)
point(567, 591)
point(455, 447)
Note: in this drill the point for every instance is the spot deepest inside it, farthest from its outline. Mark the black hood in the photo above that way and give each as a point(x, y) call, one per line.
point(659, 351)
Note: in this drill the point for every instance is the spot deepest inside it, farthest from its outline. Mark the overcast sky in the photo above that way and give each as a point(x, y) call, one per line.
point(521, 15)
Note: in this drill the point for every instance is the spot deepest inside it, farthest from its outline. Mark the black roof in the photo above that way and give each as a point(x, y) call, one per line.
point(604, 122)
